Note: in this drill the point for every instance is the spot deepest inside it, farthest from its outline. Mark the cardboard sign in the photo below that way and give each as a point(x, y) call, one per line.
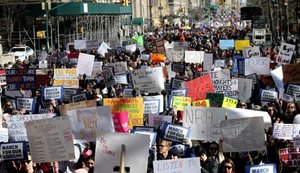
point(16, 127)
point(66, 77)
point(27, 104)
point(208, 61)
point(150, 80)
point(178, 68)
point(194, 56)
point(55, 92)
point(286, 131)
point(119, 67)
point(79, 97)
point(201, 103)
point(24, 79)
point(245, 89)
point(120, 121)
point(238, 132)
point(285, 53)
point(158, 120)
point(76, 105)
point(293, 90)
point(85, 64)
point(264, 168)
point(175, 133)
point(226, 44)
point(190, 165)
point(291, 73)
point(108, 152)
point(109, 77)
point(229, 103)
point(97, 69)
point(215, 99)
point(241, 44)
point(290, 156)
point(198, 87)
point(87, 122)
point(13, 151)
point(134, 107)
point(50, 140)
point(179, 102)
point(268, 96)
point(251, 52)
point(258, 65)
point(177, 83)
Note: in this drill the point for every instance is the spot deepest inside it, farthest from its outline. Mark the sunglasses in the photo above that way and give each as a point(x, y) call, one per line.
point(227, 167)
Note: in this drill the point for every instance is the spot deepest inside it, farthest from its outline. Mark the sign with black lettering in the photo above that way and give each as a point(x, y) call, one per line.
point(13, 151)
point(175, 133)
point(55, 92)
point(27, 104)
point(21, 79)
point(178, 68)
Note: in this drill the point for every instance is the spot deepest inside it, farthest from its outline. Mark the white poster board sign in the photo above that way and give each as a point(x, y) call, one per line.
point(121, 78)
point(158, 120)
point(158, 97)
point(194, 56)
point(251, 52)
point(208, 61)
point(277, 76)
point(285, 53)
point(85, 64)
point(97, 69)
point(268, 95)
point(258, 65)
point(190, 165)
point(245, 89)
point(286, 131)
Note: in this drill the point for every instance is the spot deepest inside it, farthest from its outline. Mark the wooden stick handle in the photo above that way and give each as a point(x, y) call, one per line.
point(122, 159)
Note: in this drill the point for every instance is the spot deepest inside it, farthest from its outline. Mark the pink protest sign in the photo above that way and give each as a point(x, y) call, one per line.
point(198, 87)
point(120, 121)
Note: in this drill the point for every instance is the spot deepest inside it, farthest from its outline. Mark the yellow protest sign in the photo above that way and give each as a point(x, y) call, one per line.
point(229, 103)
point(240, 44)
point(179, 102)
point(201, 103)
point(134, 107)
point(66, 77)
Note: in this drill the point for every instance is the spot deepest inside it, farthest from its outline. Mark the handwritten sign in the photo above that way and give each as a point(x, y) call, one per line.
point(201, 103)
point(238, 132)
point(96, 71)
point(258, 65)
point(160, 46)
point(194, 56)
point(291, 73)
point(21, 79)
point(119, 67)
point(66, 77)
point(158, 120)
point(120, 121)
point(251, 52)
point(198, 87)
point(264, 168)
point(13, 151)
point(228, 87)
point(79, 97)
point(85, 64)
point(87, 122)
point(285, 53)
point(50, 139)
point(175, 55)
point(76, 105)
point(286, 131)
point(109, 77)
point(27, 104)
point(55, 92)
point(226, 44)
point(290, 156)
point(179, 102)
point(229, 102)
point(108, 151)
point(16, 127)
point(175, 133)
point(190, 165)
point(134, 107)
point(268, 95)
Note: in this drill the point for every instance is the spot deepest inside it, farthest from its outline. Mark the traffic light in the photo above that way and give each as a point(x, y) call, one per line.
point(124, 2)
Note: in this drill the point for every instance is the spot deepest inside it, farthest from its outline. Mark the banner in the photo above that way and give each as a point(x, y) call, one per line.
point(79, 97)
point(264, 168)
point(175, 133)
point(27, 104)
point(291, 73)
point(108, 152)
point(193, 56)
point(240, 44)
point(178, 102)
point(178, 68)
point(251, 52)
point(16, 127)
point(119, 67)
point(87, 122)
point(13, 151)
point(286, 131)
point(158, 120)
point(85, 64)
point(226, 44)
point(208, 61)
point(201, 103)
point(50, 140)
point(109, 77)
point(245, 89)
point(66, 77)
point(17, 79)
point(238, 132)
point(120, 121)
point(96, 71)
point(134, 107)
point(268, 95)
point(63, 109)
point(198, 87)
point(285, 53)
point(290, 156)
point(293, 90)
point(55, 92)
point(150, 80)
point(229, 103)
point(258, 65)
point(190, 165)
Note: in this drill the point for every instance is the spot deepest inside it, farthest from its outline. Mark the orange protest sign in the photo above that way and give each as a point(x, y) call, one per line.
point(201, 103)
point(157, 57)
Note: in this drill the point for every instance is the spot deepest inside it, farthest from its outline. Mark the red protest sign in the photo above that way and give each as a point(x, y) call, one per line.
point(290, 156)
point(198, 87)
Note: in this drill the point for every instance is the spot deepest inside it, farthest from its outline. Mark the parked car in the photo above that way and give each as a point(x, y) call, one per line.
point(21, 52)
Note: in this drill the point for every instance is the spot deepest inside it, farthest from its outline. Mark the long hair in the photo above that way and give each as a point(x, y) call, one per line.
point(227, 160)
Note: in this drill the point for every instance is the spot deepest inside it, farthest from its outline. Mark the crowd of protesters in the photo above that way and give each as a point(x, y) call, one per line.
point(210, 153)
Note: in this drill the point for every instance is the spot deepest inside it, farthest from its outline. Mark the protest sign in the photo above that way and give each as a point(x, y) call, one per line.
point(226, 44)
point(201, 103)
point(220, 63)
point(13, 151)
point(54, 92)
point(109, 77)
point(145, 57)
point(16, 127)
point(103, 49)
point(134, 107)
point(296, 142)
point(268, 95)
point(291, 73)
point(87, 122)
point(193, 56)
point(150, 80)
point(160, 45)
point(157, 57)
point(119, 67)
point(3, 135)
point(79, 97)
point(175, 133)
point(290, 156)
point(253, 77)
point(157, 97)
point(144, 128)
point(175, 55)
point(151, 106)
point(238, 132)
point(177, 83)
point(96, 71)
point(43, 64)
point(158, 120)
point(277, 76)
point(241, 44)
point(66, 77)
point(152, 136)
point(50, 139)
point(179, 102)
point(2, 78)
point(80, 44)
point(25, 103)
point(121, 78)
point(85, 64)
point(63, 109)
point(285, 53)
point(127, 93)
point(258, 65)
point(108, 152)
point(24, 79)
point(245, 89)
point(229, 102)
point(198, 87)
point(251, 52)
point(68, 93)
point(190, 165)
point(286, 131)
point(293, 90)
point(120, 121)
point(178, 68)
point(264, 168)
point(91, 45)
point(130, 48)
point(228, 87)
point(215, 99)
point(208, 61)
point(238, 66)
point(178, 92)
point(180, 45)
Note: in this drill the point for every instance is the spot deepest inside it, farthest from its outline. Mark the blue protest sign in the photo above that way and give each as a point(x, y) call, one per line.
point(226, 44)
point(176, 92)
point(13, 151)
point(53, 92)
point(175, 133)
point(152, 106)
point(25, 103)
point(266, 168)
point(21, 79)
